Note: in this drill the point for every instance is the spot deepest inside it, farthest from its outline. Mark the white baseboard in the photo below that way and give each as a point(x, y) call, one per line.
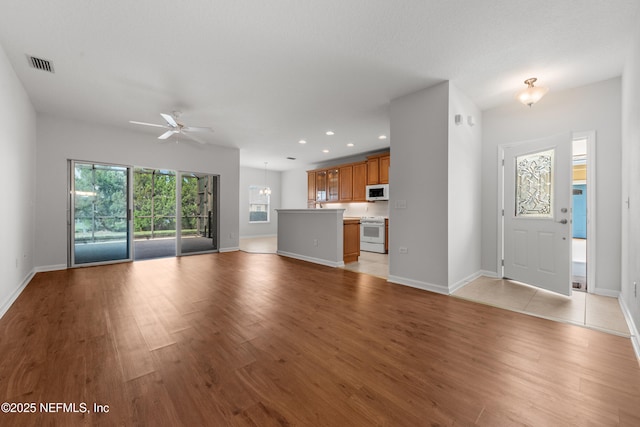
point(487, 273)
point(221, 250)
point(14, 296)
point(460, 283)
point(419, 285)
point(45, 268)
point(635, 336)
point(606, 292)
point(312, 259)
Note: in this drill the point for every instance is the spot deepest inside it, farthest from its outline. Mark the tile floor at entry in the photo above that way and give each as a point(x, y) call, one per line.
point(581, 308)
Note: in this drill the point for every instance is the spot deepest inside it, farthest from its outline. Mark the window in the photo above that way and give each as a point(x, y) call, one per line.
point(259, 204)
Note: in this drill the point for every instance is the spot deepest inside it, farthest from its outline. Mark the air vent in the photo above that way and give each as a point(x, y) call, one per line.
point(40, 64)
point(291, 158)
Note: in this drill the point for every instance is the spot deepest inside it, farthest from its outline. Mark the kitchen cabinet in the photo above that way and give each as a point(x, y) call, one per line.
point(378, 168)
point(321, 186)
point(385, 162)
point(311, 186)
point(386, 235)
point(351, 240)
point(360, 182)
point(333, 185)
point(346, 183)
point(373, 168)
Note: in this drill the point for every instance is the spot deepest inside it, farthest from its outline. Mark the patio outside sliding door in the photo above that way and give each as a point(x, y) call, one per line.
point(100, 220)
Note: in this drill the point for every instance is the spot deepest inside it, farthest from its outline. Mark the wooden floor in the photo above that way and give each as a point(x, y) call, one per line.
point(258, 339)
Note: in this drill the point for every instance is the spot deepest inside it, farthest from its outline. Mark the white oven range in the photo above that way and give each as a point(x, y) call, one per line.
point(372, 230)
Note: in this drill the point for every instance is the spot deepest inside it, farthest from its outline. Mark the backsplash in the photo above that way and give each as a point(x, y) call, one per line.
point(379, 208)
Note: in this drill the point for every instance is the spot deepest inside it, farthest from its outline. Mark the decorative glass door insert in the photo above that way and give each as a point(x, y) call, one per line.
point(534, 185)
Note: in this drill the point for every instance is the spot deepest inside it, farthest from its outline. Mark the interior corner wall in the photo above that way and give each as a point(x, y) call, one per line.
point(418, 189)
point(60, 139)
point(594, 107)
point(18, 163)
point(465, 189)
point(254, 176)
point(631, 183)
point(294, 188)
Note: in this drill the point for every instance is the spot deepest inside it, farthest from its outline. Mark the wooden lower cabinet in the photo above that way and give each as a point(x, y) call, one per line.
point(351, 240)
point(386, 235)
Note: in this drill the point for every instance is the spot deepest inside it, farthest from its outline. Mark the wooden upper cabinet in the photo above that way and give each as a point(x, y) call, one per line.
point(333, 185)
point(378, 168)
point(311, 186)
point(346, 183)
point(360, 182)
point(385, 162)
point(373, 167)
point(321, 186)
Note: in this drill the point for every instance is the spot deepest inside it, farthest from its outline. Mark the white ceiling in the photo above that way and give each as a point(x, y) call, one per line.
point(265, 74)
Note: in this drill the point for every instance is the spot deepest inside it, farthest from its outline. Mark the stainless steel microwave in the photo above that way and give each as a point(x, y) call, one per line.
point(377, 192)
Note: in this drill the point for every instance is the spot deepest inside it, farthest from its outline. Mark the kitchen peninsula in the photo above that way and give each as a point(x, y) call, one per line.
point(321, 236)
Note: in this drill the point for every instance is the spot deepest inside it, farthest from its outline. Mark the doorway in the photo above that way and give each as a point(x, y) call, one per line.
point(99, 213)
point(198, 230)
point(583, 204)
point(120, 213)
point(536, 202)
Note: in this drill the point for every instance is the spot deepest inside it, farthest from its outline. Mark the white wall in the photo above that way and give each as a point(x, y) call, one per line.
point(254, 176)
point(465, 190)
point(418, 176)
point(294, 189)
point(18, 165)
point(60, 139)
point(594, 107)
point(631, 185)
point(314, 235)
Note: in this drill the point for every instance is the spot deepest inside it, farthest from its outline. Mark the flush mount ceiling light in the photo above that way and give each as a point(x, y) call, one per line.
point(531, 94)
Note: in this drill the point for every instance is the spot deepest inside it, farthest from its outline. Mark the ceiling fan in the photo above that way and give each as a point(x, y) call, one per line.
point(175, 127)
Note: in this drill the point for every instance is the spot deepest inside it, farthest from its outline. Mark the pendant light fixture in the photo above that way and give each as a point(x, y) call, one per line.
point(531, 94)
point(266, 191)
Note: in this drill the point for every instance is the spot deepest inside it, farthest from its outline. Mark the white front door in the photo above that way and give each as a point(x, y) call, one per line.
point(537, 213)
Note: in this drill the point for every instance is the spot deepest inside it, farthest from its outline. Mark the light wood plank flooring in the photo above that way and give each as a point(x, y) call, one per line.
point(258, 339)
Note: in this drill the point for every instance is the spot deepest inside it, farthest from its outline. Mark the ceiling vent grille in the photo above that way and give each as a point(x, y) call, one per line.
point(40, 64)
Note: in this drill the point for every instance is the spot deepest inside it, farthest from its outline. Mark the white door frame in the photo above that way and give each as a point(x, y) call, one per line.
point(591, 206)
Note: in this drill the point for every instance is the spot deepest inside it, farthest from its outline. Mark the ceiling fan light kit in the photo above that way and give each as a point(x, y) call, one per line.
point(175, 127)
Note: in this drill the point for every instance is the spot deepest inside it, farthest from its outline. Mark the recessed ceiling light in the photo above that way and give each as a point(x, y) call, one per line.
point(351, 144)
point(382, 137)
point(325, 151)
point(330, 132)
point(302, 141)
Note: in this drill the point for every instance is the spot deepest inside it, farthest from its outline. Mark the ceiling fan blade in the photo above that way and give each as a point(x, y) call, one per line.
point(196, 129)
point(170, 120)
point(147, 124)
point(167, 134)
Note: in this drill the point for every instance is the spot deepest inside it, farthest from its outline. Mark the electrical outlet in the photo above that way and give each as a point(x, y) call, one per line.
point(315, 242)
point(403, 250)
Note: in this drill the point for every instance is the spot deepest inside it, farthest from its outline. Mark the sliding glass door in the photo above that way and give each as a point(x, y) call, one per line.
point(198, 202)
point(100, 220)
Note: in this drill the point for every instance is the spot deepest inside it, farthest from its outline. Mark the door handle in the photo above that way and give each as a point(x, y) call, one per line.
point(563, 221)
